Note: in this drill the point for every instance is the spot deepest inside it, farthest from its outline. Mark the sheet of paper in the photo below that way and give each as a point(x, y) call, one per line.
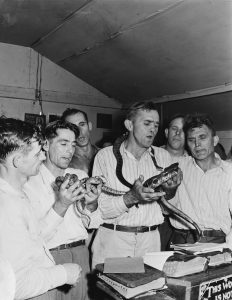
point(157, 259)
point(124, 265)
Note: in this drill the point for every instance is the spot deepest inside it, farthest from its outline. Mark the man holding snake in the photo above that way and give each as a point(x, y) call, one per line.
point(131, 221)
point(61, 225)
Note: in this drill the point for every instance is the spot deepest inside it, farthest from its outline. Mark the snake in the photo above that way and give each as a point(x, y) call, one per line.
point(154, 182)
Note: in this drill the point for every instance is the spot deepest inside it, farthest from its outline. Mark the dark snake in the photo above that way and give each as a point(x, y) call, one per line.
point(154, 182)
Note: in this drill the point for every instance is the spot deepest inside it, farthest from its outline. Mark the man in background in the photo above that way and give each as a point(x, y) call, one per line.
point(21, 155)
point(62, 225)
point(85, 151)
point(175, 145)
point(175, 136)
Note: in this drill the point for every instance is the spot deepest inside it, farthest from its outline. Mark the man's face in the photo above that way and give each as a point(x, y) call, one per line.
point(201, 142)
point(144, 128)
point(84, 127)
point(30, 161)
point(175, 134)
point(61, 148)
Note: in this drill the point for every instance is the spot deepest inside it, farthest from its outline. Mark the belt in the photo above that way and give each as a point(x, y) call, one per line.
point(129, 228)
point(68, 246)
point(206, 233)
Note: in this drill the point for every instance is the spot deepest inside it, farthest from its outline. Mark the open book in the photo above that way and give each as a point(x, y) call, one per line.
point(133, 284)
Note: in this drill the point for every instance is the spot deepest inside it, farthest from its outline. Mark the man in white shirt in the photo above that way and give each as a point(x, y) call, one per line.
point(61, 223)
point(20, 241)
point(205, 193)
point(131, 221)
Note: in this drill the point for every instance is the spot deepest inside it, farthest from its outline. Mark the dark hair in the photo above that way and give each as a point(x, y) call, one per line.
point(176, 116)
point(51, 128)
point(73, 111)
point(16, 134)
point(133, 109)
point(198, 120)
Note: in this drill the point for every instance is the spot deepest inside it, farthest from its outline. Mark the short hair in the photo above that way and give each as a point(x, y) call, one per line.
point(134, 108)
point(51, 128)
point(198, 120)
point(17, 134)
point(176, 116)
point(73, 111)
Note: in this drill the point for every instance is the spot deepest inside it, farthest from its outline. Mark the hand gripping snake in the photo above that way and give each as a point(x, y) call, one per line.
point(154, 182)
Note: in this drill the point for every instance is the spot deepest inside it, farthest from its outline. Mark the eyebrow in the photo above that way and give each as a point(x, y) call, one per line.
point(66, 140)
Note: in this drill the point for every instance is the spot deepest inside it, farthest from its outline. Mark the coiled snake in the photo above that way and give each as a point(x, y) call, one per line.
point(154, 182)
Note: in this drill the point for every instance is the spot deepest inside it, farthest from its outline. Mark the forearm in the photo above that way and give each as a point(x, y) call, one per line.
point(111, 206)
point(49, 224)
point(34, 282)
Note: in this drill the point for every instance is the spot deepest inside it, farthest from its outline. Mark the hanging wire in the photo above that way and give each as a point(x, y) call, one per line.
point(38, 91)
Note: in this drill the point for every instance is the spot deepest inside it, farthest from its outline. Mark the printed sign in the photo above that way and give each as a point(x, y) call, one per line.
point(216, 289)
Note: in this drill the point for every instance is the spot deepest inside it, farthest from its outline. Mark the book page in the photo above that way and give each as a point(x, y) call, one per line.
point(157, 259)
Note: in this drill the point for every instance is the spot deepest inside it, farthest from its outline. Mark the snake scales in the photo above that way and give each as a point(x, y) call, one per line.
point(154, 182)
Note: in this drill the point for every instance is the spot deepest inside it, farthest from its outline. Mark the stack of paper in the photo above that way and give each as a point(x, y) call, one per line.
point(199, 248)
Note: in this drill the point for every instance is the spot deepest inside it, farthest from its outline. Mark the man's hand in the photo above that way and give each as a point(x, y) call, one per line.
point(141, 194)
point(73, 272)
point(92, 193)
point(171, 185)
point(67, 195)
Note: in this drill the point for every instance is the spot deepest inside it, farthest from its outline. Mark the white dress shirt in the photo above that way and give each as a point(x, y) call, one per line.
point(205, 196)
point(56, 230)
point(22, 245)
point(113, 209)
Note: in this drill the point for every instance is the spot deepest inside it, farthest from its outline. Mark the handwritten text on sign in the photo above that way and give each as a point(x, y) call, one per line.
point(216, 289)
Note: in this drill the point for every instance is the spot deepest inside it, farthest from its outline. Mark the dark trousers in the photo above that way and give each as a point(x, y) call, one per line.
point(165, 230)
point(80, 256)
point(188, 236)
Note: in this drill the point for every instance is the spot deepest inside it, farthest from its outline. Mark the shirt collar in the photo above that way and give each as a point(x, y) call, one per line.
point(130, 155)
point(220, 165)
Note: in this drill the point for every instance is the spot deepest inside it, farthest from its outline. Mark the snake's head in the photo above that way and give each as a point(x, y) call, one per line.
point(71, 177)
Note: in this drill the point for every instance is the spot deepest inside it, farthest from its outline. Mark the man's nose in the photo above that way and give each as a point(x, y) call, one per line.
point(197, 142)
point(179, 131)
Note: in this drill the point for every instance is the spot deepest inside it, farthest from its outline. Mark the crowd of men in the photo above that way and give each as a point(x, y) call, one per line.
point(44, 236)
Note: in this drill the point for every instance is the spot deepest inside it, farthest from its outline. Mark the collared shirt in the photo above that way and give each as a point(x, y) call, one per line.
point(205, 196)
point(56, 230)
point(22, 245)
point(113, 209)
point(175, 158)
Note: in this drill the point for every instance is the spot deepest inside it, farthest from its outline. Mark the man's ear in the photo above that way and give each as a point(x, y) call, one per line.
point(46, 146)
point(215, 140)
point(16, 160)
point(166, 133)
point(90, 126)
point(128, 124)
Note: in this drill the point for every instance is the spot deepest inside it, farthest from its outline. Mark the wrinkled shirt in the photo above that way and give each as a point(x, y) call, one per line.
point(56, 230)
point(205, 196)
point(113, 208)
point(22, 245)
